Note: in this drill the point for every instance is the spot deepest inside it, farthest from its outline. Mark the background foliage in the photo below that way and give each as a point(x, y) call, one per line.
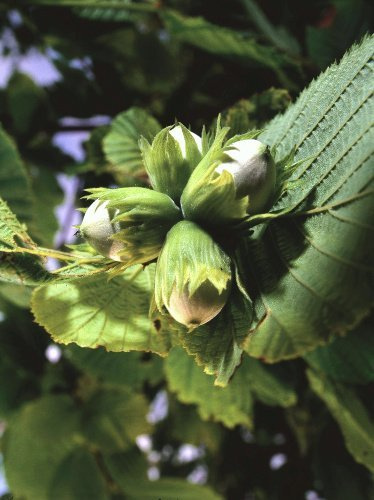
point(284, 407)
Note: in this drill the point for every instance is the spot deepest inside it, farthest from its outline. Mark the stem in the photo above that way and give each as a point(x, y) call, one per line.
point(326, 208)
point(47, 252)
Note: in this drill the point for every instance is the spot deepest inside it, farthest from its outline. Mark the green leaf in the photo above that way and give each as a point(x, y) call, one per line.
point(36, 442)
point(11, 231)
point(78, 476)
point(22, 269)
point(48, 195)
point(267, 385)
point(116, 368)
point(278, 36)
point(113, 417)
point(27, 103)
point(121, 144)
point(217, 345)
point(231, 405)
point(113, 10)
point(347, 359)
point(129, 471)
point(223, 41)
point(17, 295)
point(350, 21)
point(95, 312)
point(185, 425)
point(302, 270)
point(21, 262)
point(255, 112)
point(350, 414)
point(14, 183)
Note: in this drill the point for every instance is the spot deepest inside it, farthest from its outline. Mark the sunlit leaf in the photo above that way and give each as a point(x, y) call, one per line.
point(95, 311)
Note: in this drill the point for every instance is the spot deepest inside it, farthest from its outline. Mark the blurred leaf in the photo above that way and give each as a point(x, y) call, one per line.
point(27, 103)
point(48, 195)
point(348, 359)
point(146, 64)
point(95, 312)
point(114, 10)
point(350, 414)
point(36, 442)
point(345, 22)
point(113, 417)
point(14, 182)
point(121, 144)
point(78, 477)
point(267, 385)
point(342, 478)
point(223, 41)
point(217, 345)
point(184, 424)
point(96, 159)
point(303, 269)
point(278, 36)
point(16, 294)
point(116, 368)
point(253, 113)
point(118, 5)
point(129, 471)
point(14, 390)
point(230, 405)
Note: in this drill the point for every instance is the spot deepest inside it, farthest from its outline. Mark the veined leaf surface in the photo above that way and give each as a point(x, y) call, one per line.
point(121, 144)
point(312, 275)
point(95, 312)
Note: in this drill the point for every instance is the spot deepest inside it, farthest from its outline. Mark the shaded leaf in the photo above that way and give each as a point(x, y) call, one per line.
point(14, 182)
point(278, 36)
point(230, 405)
point(36, 442)
point(223, 41)
point(347, 359)
point(350, 414)
point(121, 144)
point(347, 21)
point(12, 232)
point(48, 195)
point(267, 385)
point(26, 103)
point(302, 270)
point(217, 345)
point(129, 471)
point(253, 113)
point(113, 417)
point(116, 368)
point(79, 476)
